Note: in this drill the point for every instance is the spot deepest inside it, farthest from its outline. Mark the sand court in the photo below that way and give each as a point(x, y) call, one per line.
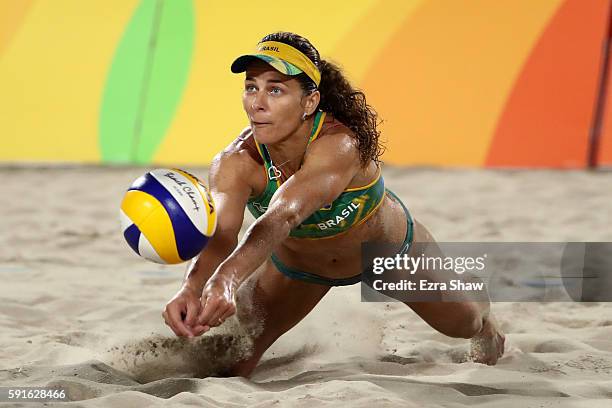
point(79, 310)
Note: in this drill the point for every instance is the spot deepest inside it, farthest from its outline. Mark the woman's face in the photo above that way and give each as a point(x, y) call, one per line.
point(274, 102)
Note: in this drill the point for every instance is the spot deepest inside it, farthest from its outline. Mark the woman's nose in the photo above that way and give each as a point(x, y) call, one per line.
point(258, 101)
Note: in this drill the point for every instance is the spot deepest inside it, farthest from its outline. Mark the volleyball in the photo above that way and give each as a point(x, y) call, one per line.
point(167, 216)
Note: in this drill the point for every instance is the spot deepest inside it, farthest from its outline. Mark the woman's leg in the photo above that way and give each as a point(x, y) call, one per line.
point(465, 319)
point(278, 303)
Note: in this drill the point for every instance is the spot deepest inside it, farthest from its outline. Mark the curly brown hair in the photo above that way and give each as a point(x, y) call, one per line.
point(338, 97)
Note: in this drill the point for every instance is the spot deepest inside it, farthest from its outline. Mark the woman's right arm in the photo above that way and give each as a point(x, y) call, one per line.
point(230, 190)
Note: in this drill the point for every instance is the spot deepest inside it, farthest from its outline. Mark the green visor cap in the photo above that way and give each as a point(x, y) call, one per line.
point(282, 66)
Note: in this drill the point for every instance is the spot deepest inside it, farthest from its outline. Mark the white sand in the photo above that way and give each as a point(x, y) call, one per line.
point(78, 309)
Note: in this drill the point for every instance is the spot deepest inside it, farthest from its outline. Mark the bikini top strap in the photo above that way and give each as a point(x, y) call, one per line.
point(323, 123)
point(317, 126)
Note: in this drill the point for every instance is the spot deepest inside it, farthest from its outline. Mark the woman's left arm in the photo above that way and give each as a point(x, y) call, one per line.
point(328, 168)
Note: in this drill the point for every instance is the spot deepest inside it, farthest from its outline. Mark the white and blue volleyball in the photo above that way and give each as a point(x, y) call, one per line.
point(167, 216)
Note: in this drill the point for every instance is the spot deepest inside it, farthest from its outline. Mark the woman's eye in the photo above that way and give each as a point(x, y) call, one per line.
point(249, 88)
point(276, 91)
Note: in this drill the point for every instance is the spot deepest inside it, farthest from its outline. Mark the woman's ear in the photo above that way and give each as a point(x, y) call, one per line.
point(311, 102)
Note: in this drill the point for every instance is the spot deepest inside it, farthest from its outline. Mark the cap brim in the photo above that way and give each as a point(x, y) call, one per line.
point(241, 64)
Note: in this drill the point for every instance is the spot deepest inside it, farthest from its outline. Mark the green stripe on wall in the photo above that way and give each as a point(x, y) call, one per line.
point(146, 80)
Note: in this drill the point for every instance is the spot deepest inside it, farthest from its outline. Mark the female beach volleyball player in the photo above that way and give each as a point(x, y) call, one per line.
point(308, 169)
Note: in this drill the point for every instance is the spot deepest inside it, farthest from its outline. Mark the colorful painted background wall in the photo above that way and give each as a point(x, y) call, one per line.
point(458, 82)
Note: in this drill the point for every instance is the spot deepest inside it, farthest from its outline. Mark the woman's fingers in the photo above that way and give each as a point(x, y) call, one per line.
point(228, 313)
point(218, 317)
point(192, 314)
point(217, 302)
point(205, 311)
point(211, 309)
point(198, 330)
point(175, 321)
point(215, 311)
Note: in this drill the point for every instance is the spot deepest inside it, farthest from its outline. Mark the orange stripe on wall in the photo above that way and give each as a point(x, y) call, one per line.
point(441, 81)
point(604, 154)
point(603, 146)
point(11, 18)
point(547, 118)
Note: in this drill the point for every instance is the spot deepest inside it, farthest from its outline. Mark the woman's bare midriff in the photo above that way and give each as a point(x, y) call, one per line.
point(340, 256)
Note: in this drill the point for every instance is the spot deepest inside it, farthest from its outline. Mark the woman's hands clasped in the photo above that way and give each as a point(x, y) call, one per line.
point(190, 314)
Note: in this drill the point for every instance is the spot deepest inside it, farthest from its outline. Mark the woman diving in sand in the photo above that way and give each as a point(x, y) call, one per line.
point(308, 170)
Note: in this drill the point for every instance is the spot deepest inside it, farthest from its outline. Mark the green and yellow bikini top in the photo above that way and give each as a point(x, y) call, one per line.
point(352, 207)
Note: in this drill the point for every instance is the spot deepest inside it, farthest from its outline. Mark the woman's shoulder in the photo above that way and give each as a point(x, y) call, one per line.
point(335, 133)
point(338, 140)
point(240, 155)
point(332, 125)
point(242, 148)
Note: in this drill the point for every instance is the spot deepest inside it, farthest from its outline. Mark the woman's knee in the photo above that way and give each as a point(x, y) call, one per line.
point(466, 323)
point(453, 319)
